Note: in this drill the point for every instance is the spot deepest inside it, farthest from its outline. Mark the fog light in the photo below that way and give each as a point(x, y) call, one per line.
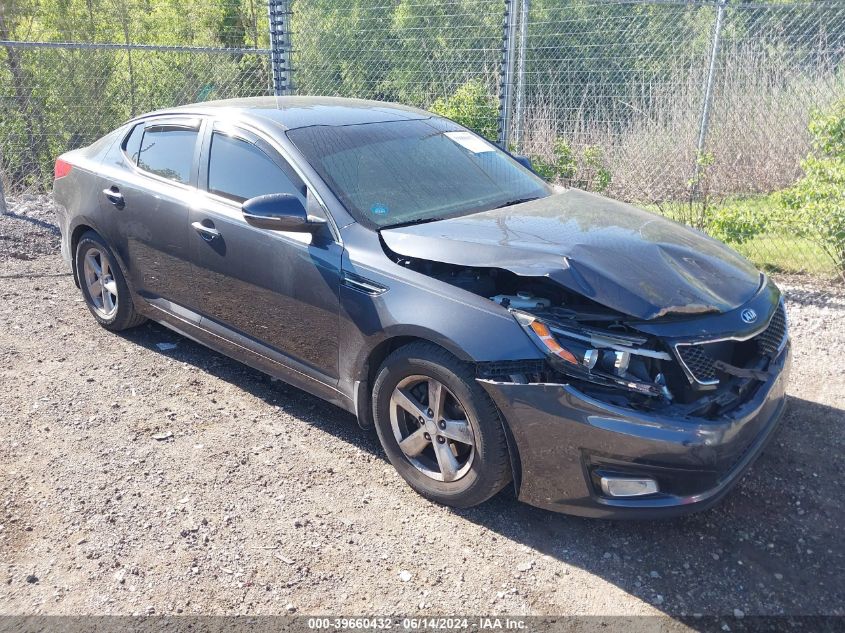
point(627, 487)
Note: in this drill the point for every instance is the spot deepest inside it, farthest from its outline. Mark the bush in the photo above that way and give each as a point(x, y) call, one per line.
point(543, 168)
point(588, 170)
point(814, 207)
point(472, 106)
point(735, 224)
point(595, 174)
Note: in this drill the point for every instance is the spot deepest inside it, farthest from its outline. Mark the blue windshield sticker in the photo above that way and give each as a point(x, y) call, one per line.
point(379, 209)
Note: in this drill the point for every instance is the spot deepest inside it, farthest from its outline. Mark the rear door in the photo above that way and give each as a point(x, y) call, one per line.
point(150, 196)
point(273, 292)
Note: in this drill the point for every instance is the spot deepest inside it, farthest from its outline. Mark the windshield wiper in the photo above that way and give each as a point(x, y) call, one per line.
point(411, 222)
point(511, 203)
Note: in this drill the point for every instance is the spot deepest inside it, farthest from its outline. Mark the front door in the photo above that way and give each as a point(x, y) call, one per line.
point(275, 292)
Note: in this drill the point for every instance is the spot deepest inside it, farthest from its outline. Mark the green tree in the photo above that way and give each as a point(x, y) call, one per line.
point(472, 106)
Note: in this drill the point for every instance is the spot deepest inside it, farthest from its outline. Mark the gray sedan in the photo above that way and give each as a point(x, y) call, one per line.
point(493, 328)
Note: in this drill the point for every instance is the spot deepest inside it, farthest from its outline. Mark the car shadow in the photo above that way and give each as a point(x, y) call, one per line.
point(43, 224)
point(773, 546)
point(288, 399)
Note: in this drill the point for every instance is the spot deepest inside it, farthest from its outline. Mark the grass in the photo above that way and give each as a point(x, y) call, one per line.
point(787, 254)
point(770, 250)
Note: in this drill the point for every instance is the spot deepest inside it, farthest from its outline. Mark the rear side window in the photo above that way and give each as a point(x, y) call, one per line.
point(168, 152)
point(239, 170)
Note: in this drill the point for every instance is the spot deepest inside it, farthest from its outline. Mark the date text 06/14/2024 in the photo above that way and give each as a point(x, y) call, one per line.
point(418, 624)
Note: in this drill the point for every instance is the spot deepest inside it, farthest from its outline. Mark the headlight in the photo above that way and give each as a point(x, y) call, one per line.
point(599, 356)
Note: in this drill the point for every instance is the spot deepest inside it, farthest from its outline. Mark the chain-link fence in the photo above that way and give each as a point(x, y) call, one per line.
point(71, 72)
point(699, 109)
point(419, 52)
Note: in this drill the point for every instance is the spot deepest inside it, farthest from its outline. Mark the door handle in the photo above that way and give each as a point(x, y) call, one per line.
point(114, 196)
point(207, 233)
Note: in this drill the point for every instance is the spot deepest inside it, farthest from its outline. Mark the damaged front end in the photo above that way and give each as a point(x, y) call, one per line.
point(700, 365)
point(615, 361)
point(621, 366)
point(652, 361)
point(628, 307)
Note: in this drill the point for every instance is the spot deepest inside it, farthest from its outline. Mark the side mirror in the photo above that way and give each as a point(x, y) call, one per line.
point(523, 160)
point(279, 212)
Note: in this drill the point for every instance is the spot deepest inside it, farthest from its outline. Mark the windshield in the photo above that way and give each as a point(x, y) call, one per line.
point(402, 172)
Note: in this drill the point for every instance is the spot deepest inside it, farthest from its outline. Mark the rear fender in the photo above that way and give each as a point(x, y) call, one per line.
point(77, 228)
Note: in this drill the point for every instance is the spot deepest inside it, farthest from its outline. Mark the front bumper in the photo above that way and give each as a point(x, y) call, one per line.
point(564, 439)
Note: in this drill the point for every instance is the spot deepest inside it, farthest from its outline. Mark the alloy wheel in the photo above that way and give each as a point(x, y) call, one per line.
point(432, 428)
point(100, 283)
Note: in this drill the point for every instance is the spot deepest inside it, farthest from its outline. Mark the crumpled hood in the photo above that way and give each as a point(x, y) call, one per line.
point(622, 257)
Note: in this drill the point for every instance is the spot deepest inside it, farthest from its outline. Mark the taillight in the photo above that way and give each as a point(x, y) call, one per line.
point(61, 169)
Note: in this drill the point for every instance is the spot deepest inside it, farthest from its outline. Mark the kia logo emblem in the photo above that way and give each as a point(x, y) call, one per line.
point(748, 315)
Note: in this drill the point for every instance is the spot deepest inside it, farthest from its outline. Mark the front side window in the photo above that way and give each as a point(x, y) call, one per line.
point(168, 151)
point(239, 170)
point(400, 172)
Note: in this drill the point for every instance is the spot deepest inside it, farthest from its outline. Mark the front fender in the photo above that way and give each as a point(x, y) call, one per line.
point(413, 305)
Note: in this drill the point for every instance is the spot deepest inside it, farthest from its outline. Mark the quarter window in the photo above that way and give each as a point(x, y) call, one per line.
point(168, 152)
point(132, 145)
point(239, 170)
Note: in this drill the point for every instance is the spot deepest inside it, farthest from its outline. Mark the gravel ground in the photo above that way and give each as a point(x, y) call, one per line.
point(29, 229)
point(134, 480)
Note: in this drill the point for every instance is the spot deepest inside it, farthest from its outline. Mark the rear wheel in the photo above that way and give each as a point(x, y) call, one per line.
point(439, 428)
point(103, 285)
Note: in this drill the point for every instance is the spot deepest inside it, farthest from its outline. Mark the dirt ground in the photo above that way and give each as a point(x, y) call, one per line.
point(136, 481)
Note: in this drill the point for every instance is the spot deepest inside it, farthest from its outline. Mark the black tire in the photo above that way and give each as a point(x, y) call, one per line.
point(124, 316)
point(489, 469)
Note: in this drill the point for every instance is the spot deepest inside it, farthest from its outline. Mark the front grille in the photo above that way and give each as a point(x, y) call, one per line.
point(698, 362)
point(769, 340)
point(701, 365)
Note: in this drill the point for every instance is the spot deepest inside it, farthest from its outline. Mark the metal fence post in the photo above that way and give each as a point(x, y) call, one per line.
point(506, 73)
point(519, 115)
point(280, 13)
point(3, 208)
point(708, 95)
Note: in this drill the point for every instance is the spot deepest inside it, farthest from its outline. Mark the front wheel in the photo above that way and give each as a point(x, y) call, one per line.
point(439, 428)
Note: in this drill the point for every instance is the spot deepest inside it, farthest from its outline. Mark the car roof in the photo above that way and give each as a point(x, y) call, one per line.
point(296, 112)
